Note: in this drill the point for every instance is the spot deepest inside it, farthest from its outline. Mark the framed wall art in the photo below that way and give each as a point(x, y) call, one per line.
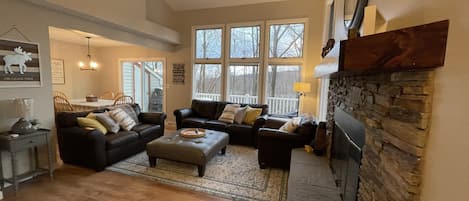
point(178, 74)
point(19, 64)
point(57, 71)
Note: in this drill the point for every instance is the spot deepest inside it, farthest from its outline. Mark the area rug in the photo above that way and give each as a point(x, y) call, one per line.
point(235, 175)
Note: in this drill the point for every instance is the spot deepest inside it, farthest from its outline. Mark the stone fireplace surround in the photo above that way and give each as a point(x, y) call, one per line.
point(395, 108)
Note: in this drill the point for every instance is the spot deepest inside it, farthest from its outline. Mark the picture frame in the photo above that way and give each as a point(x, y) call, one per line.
point(57, 71)
point(178, 73)
point(20, 64)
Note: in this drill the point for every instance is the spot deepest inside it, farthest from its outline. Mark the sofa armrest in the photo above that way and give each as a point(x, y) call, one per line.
point(82, 147)
point(181, 114)
point(275, 134)
point(260, 121)
point(156, 118)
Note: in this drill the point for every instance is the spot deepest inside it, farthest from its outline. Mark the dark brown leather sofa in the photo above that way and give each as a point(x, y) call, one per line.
point(274, 146)
point(205, 114)
point(94, 150)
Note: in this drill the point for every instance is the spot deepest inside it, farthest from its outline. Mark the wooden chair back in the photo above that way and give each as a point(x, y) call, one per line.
point(118, 94)
point(121, 100)
point(61, 94)
point(62, 104)
point(108, 95)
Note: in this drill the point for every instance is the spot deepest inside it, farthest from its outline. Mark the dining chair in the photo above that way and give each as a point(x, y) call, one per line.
point(62, 104)
point(118, 94)
point(61, 94)
point(109, 95)
point(121, 100)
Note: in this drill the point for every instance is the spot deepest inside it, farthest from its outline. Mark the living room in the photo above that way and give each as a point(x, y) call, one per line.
point(167, 29)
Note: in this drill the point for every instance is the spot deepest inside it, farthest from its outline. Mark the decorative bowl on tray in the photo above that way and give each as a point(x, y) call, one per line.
point(192, 132)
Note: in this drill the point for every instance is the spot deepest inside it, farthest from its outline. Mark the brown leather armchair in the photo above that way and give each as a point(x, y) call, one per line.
point(274, 145)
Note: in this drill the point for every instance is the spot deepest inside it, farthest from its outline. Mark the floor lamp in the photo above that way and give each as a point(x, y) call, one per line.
point(301, 88)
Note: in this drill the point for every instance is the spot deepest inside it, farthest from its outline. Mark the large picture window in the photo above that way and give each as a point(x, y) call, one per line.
point(256, 62)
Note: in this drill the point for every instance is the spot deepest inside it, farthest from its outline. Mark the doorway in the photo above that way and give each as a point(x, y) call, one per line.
point(143, 79)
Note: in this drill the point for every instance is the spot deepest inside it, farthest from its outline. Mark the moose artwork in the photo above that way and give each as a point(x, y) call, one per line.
point(19, 64)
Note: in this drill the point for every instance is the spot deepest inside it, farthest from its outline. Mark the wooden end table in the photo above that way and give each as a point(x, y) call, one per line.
point(21, 143)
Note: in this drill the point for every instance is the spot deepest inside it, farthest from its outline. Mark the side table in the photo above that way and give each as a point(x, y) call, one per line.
point(21, 143)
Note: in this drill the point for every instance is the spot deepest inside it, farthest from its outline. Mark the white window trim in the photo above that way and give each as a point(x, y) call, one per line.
point(285, 61)
point(195, 61)
point(263, 61)
point(248, 61)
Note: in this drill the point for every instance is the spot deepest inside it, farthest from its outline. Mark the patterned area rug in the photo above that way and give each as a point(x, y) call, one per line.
point(235, 175)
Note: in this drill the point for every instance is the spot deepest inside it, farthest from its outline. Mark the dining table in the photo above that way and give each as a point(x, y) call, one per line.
point(82, 105)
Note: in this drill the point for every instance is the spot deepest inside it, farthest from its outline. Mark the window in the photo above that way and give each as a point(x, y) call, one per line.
point(243, 83)
point(207, 69)
point(259, 66)
point(281, 98)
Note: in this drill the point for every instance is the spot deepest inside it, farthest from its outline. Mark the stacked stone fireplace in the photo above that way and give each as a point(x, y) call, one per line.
point(395, 108)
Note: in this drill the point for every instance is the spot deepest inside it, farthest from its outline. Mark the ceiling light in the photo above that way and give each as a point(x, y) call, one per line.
point(90, 65)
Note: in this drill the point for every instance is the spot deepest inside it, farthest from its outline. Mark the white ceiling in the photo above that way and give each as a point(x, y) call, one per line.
point(180, 5)
point(79, 37)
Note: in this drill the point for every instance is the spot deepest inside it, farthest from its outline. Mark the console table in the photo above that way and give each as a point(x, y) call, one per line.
point(14, 145)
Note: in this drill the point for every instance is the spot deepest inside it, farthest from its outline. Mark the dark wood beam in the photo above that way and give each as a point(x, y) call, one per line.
point(419, 47)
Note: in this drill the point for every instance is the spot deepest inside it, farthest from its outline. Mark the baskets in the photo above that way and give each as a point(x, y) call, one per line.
point(91, 98)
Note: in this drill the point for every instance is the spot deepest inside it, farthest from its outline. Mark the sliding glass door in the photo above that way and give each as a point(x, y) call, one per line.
point(144, 81)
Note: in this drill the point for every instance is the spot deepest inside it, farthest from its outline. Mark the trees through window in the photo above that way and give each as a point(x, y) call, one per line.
point(251, 70)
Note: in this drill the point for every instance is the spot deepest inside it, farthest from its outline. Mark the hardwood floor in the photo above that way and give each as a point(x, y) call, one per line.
point(74, 184)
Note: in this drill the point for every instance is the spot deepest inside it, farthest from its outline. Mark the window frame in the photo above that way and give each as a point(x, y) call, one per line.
point(195, 60)
point(244, 61)
point(263, 61)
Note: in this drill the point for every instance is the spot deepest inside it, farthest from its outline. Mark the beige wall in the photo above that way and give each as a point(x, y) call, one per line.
point(313, 10)
point(446, 175)
point(78, 83)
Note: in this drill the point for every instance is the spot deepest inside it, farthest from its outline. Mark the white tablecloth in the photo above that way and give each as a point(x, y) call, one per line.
point(82, 105)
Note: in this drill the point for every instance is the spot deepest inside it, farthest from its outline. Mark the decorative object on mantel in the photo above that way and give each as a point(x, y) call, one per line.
point(91, 98)
point(57, 71)
point(354, 11)
point(25, 112)
point(326, 49)
point(90, 65)
point(178, 74)
point(419, 47)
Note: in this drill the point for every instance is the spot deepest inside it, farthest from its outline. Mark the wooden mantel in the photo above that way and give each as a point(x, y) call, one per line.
point(419, 47)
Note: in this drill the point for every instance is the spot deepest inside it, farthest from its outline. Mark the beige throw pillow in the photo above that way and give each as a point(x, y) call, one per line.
point(108, 122)
point(239, 116)
point(229, 113)
point(123, 119)
point(291, 125)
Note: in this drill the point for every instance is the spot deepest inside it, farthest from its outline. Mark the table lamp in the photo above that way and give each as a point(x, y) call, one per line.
point(24, 111)
point(301, 88)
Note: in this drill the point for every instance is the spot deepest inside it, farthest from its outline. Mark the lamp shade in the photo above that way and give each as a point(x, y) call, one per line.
point(302, 87)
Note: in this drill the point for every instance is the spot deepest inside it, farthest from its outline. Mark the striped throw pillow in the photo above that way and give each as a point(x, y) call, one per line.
point(229, 113)
point(123, 119)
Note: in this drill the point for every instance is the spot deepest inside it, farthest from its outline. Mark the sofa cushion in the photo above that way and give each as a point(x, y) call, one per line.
point(264, 107)
point(229, 113)
point(115, 140)
point(123, 118)
point(146, 130)
point(251, 115)
point(215, 125)
point(91, 123)
point(204, 109)
point(193, 122)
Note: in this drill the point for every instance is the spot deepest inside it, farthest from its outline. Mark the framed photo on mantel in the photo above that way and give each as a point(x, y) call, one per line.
point(19, 64)
point(58, 71)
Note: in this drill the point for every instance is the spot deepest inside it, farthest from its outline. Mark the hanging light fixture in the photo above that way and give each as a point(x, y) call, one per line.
point(90, 65)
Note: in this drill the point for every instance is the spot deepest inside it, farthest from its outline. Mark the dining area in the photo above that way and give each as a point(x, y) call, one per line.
point(62, 102)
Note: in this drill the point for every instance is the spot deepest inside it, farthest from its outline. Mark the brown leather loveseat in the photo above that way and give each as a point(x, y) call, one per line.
point(205, 114)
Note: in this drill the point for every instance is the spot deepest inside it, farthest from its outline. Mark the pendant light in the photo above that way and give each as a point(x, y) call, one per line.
point(90, 65)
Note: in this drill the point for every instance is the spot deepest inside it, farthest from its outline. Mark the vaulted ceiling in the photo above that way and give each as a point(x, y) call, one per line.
point(180, 5)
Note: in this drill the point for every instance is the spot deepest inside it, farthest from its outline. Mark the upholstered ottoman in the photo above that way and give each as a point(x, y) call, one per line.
point(197, 151)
